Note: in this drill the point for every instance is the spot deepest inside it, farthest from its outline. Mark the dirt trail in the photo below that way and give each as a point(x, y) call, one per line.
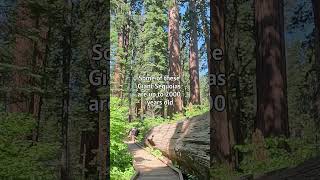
point(150, 167)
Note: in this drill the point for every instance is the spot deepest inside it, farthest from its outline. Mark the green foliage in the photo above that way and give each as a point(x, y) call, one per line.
point(222, 172)
point(120, 159)
point(145, 125)
point(281, 153)
point(20, 158)
point(117, 174)
point(195, 110)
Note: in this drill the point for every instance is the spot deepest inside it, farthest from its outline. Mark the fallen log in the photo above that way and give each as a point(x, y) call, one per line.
point(186, 142)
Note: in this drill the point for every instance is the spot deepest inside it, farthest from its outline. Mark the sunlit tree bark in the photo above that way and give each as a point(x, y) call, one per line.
point(174, 53)
point(193, 59)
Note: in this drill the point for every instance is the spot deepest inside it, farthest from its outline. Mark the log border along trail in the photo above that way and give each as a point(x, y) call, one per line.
point(149, 167)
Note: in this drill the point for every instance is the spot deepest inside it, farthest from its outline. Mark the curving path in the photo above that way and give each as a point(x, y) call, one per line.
point(150, 167)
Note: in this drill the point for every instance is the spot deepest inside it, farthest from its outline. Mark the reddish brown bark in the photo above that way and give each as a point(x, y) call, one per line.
point(23, 54)
point(221, 130)
point(38, 66)
point(125, 55)
point(117, 78)
point(30, 54)
point(194, 60)
point(122, 57)
point(272, 110)
point(174, 55)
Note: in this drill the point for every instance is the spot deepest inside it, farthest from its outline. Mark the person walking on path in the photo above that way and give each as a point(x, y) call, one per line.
point(134, 132)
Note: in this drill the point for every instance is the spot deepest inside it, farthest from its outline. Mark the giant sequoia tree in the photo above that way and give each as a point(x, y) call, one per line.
point(272, 110)
point(174, 52)
point(221, 131)
point(29, 53)
point(23, 53)
point(122, 49)
point(193, 59)
point(117, 77)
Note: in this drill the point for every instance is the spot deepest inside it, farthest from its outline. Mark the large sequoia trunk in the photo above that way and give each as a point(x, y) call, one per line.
point(174, 54)
point(221, 130)
point(272, 110)
point(38, 65)
point(205, 27)
point(31, 54)
point(194, 60)
point(23, 54)
point(122, 57)
point(117, 78)
point(316, 13)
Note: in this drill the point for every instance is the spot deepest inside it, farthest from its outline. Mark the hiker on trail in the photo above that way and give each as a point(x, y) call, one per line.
point(134, 132)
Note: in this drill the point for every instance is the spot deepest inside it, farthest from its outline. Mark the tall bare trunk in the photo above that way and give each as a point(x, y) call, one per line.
point(205, 28)
point(122, 57)
point(194, 60)
point(102, 154)
point(117, 78)
point(174, 54)
point(19, 101)
point(28, 54)
point(221, 130)
point(66, 61)
point(272, 110)
point(131, 110)
point(38, 66)
point(237, 102)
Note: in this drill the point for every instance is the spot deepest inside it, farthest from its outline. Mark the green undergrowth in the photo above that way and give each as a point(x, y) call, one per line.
point(145, 125)
point(120, 158)
point(20, 157)
point(280, 153)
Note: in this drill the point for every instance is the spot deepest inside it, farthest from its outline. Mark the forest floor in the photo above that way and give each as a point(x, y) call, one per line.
point(149, 167)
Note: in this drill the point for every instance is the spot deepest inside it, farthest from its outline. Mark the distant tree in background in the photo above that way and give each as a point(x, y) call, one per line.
point(19, 99)
point(174, 53)
point(194, 59)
